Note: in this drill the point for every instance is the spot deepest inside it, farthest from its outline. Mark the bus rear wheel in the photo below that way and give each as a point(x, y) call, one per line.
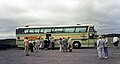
point(76, 45)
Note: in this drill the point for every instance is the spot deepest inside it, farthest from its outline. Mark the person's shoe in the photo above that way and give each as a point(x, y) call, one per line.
point(27, 55)
point(105, 57)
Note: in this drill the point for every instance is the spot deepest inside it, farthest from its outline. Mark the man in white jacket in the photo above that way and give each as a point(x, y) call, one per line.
point(100, 47)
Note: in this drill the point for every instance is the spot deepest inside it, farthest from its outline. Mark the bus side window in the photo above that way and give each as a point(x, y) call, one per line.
point(37, 31)
point(31, 31)
point(58, 30)
point(48, 30)
point(26, 31)
point(81, 29)
point(41, 30)
point(69, 30)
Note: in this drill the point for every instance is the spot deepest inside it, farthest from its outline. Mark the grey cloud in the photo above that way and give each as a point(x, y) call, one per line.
point(104, 14)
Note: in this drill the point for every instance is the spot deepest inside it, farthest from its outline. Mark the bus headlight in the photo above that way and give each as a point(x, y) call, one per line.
point(91, 36)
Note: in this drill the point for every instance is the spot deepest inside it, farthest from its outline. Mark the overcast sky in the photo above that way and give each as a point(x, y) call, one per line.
point(104, 14)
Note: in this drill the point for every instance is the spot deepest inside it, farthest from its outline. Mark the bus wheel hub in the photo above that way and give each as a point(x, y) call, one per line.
point(76, 44)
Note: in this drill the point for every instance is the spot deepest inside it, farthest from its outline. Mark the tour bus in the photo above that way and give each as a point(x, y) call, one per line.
point(81, 35)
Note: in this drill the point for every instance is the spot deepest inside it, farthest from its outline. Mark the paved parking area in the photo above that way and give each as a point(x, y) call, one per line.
point(78, 56)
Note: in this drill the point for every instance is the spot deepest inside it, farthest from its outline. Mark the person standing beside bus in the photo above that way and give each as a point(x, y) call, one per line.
point(100, 47)
point(41, 43)
point(31, 45)
point(69, 44)
point(64, 44)
point(60, 42)
point(115, 42)
point(52, 42)
point(37, 44)
point(106, 44)
point(26, 46)
point(45, 43)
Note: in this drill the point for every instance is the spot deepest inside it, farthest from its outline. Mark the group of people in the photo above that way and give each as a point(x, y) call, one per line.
point(65, 44)
point(40, 43)
point(102, 46)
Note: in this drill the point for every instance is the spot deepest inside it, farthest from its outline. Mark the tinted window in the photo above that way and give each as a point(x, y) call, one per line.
point(31, 31)
point(37, 30)
point(26, 31)
point(42, 31)
point(81, 29)
point(69, 29)
point(58, 30)
point(47, 31)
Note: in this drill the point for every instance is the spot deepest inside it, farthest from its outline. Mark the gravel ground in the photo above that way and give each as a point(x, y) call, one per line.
point(78, 56)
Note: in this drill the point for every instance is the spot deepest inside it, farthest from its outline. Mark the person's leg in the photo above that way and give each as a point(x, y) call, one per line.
point(63, 48)
point(32, 49)
point(26, 50)
point(106, 52)
point(66, 48)
point(102, 53)
point(37, 48)
point(60, 48)
point(99, 53)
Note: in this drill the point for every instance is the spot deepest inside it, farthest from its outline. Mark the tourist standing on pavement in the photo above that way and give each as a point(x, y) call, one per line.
point(26, 46)
point(37, 44)
point(46, 44)
point(52, 42)
point(115, 42)
point(106, 44)
point(31, 45)
point(64, 44)
point(69, 44)
point(60, 42)
point(42, 43)
point(100, 47)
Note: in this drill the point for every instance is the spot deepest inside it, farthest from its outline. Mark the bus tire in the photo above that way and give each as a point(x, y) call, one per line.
point(76, 45)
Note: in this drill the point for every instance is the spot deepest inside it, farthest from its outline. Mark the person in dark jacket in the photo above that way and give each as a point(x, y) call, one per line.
point(31, 45)
point(45, 43)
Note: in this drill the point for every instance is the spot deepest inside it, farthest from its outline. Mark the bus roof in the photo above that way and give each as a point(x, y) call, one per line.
point(55, 26)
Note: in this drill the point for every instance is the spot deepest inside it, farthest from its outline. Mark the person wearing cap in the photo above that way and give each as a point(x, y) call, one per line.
point(100, 47)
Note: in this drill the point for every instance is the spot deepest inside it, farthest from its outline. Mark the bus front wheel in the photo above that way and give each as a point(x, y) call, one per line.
point(76, 45)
